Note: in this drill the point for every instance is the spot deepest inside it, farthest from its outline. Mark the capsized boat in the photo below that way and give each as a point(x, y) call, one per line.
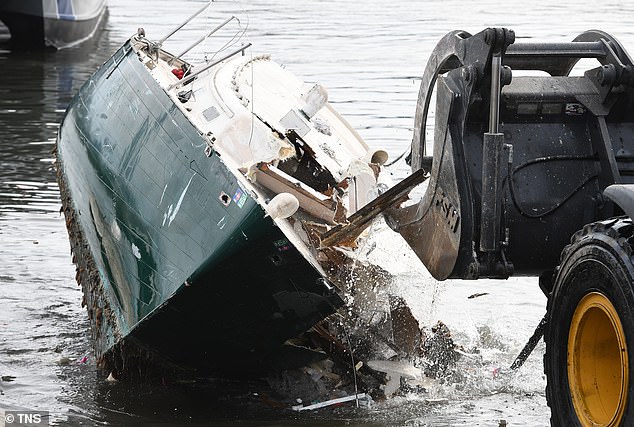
point(196, 199)
point(56, 23)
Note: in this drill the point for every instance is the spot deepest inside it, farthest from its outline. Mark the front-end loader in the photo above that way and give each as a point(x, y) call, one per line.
point(532, 173)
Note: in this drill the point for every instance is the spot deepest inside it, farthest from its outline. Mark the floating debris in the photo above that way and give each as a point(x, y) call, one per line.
point(64, 361)
point(477, 295)
point(438, 401)
point(397, 374)
point(439, 351)
point(362, 399)
point(111, 379)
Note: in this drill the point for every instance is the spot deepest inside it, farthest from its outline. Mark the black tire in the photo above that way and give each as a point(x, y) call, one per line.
point(589, 360)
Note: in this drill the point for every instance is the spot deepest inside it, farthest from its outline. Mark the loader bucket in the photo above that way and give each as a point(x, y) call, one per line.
point(522, 151)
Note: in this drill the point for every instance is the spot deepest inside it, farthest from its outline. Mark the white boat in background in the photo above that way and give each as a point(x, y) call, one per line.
point(56, 23)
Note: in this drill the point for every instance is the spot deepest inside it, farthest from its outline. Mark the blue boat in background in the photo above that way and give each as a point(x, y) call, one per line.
point(54, 23)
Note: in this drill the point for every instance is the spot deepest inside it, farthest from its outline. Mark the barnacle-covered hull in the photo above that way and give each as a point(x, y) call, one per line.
point(184, 260)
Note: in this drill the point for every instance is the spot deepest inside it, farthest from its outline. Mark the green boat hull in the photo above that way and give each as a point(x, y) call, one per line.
point(179, 265)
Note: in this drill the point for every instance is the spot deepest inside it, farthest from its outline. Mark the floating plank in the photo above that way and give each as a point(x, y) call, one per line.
point(355, 397)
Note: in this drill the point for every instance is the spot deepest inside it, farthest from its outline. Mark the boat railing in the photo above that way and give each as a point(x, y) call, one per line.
point(201, 39)
point(187, 21)
point(156, 48)
point(191, 77)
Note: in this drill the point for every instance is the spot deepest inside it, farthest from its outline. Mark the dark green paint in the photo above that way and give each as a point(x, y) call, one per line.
point(147, 200)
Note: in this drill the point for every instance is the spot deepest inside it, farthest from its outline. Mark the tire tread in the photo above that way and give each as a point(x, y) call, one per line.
point(621, 231)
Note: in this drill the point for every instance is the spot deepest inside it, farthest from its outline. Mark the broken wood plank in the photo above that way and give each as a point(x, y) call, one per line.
point(311, 201)
point(362, 218)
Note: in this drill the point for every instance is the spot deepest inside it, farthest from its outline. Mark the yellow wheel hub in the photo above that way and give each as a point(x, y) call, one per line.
point(597, 362)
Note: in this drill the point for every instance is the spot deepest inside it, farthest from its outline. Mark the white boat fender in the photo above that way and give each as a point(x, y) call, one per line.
point(282, 206)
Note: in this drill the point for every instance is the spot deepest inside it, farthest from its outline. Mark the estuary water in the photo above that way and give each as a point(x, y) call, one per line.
point(369, 54)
